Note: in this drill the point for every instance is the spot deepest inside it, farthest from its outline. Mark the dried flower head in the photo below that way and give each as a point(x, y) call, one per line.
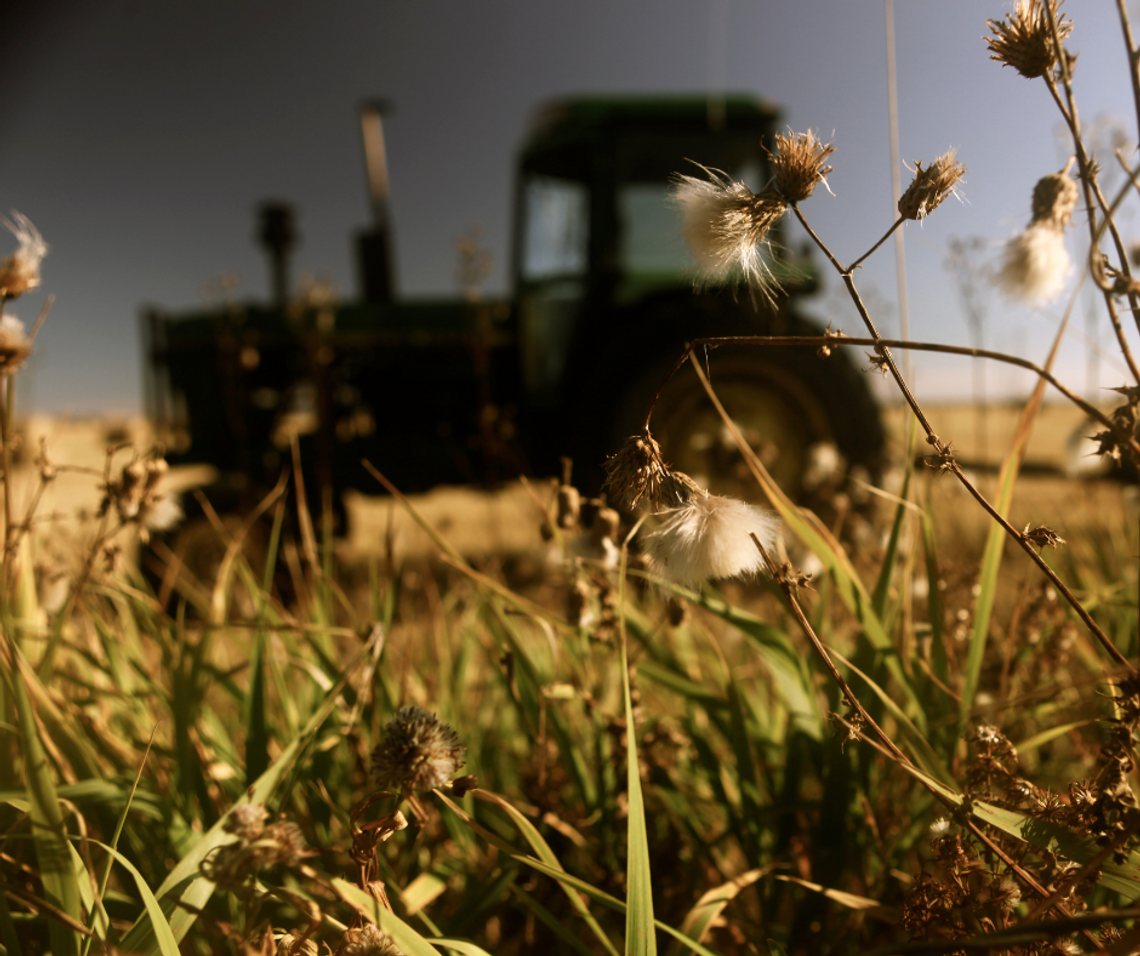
point(708, 538)
point(931, 186)
point(20, 272)
point(368, 940)
point(1054, 199)
point(799, 164)
point(726, 227)
point(1042, 537)
point(637, 471)
point(236, 865)
point(569, 506)
point(1024, 39)
point(940, 827)
point(247, 821)
point(1126, 422)
point(281, 843)
point(294, 943)
point(137, 499)
point(418, 752)
point(14, 344)
point(1005, 893)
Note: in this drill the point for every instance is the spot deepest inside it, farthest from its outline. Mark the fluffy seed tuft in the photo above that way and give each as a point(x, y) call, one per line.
point(708, 538)
point(20, 272)
point(14, 344)
point(1035, 265)
point(726, 227)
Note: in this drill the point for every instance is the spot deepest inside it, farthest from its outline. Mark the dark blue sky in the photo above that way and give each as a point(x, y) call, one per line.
point(139, 137)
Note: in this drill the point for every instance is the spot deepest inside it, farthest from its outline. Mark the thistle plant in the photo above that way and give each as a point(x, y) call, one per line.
point(981, 879)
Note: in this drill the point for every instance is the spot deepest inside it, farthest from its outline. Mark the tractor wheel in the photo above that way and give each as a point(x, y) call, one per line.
point(804, 418)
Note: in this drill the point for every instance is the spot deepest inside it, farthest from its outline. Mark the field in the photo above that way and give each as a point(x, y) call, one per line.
point(283, 675)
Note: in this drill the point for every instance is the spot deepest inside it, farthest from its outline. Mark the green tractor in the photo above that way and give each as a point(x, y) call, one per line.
point(471, 390)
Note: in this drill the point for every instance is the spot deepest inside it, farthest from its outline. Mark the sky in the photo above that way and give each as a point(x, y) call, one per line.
point(140, 135)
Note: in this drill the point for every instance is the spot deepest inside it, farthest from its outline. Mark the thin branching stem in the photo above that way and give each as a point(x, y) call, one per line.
point(781, 576)
point(833, 340)
point(1094, 198)
point(948, 463)
point(1133, 55)
point(867, 255)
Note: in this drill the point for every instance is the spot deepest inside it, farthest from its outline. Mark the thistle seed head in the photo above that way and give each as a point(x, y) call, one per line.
point(1054, 199)
point(931, 186)
point(20, 272)
point(799, 164)
point(294, 943)
point(726, 227)
point(14, 344)
point(1042, 537)
point(418, 752)
point(137, 499)
point(247, 821)
point(637, 471)
point(280, 844)
point(368, 940)
point(1024, 39)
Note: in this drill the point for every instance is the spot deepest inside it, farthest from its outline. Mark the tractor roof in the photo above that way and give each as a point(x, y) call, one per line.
point(583, 121)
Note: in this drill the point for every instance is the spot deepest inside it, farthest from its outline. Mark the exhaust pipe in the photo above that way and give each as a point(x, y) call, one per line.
point(374, 247)
point(277, 233)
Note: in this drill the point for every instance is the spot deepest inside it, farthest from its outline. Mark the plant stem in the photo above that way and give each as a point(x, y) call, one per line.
point(834, 339)
point(866, 255)
point(781, 577)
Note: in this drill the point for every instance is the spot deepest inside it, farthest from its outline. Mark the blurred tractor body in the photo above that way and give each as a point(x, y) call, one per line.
point(471, 390)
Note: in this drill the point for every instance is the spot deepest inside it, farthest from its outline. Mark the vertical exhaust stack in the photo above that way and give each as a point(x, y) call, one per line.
point(374, 247)
point(277, 233)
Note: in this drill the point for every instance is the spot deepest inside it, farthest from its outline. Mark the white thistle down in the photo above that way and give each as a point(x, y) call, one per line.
point(20, 272)
point(14, 344)
point(708, 538)
point(726, 228)
point(1035, 265)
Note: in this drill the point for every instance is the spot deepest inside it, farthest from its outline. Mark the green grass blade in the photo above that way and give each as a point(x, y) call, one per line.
point(791, 678)
point(461, 946)
point(53, 852)
point(640, 936)
point(552, 922)
point(542, 849)
point(808, 528)
point(163, 934)
point(995, 541)
point(256, 726)
point(404, 936)
point(562, 876)
point(890, 559)
point(919, 747)
point(709, 907)
point(195, 891)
